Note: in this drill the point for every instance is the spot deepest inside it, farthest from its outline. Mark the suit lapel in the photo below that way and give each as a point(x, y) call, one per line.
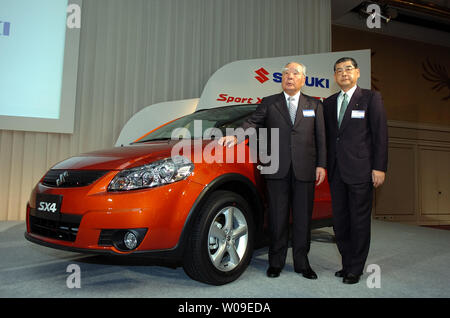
point(331, 109)
point(351, 105)
point(281, 105)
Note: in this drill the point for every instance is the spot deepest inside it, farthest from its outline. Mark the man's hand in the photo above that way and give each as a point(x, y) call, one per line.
point(228, 141)
point(378, 178)
point(320, 175)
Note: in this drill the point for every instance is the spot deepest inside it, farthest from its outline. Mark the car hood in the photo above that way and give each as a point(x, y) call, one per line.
point(120, 157)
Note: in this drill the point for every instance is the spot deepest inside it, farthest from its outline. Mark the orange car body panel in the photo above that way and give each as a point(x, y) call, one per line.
point(163, 210)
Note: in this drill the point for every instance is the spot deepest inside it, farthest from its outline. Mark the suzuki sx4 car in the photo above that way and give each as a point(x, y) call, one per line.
point(173, 194)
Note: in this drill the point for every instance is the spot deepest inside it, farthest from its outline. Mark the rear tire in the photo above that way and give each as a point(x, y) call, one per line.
point(221, 245)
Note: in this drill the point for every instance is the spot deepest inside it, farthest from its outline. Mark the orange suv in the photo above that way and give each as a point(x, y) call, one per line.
point(172, 194)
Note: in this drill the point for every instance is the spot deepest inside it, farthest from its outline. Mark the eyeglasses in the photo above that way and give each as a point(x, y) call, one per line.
point(345, 69)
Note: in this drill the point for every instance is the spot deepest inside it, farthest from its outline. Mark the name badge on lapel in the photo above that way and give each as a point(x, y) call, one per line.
point(358, 114)
point(309, 113)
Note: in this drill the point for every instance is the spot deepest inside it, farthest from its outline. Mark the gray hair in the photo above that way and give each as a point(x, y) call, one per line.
point(301, 71)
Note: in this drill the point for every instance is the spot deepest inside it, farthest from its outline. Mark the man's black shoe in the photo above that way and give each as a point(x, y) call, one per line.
point(351, 278)
point(273, 272)
point(340, 273)
point(307, 273)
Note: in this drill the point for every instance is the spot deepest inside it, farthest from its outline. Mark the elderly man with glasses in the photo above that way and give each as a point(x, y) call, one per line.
point(302, 156)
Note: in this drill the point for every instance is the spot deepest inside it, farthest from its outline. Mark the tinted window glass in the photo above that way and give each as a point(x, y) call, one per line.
point(201, 124)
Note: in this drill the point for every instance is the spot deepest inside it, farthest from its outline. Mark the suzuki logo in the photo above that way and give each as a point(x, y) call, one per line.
point(278, 77)
point(262, 78)
point(62, 178)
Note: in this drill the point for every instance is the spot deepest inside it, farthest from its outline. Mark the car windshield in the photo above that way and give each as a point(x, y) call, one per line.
point(203, 123)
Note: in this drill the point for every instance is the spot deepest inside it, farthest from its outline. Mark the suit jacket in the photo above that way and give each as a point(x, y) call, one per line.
point(301, 143)
point(361, 143)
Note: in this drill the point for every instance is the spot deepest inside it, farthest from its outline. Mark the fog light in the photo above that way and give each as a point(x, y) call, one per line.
point(123, 239)
point(130, 240)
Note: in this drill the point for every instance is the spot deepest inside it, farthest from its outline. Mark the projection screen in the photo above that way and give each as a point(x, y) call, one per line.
point(39, 44)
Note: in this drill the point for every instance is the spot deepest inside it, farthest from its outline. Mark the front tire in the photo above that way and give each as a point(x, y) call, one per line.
point(221, 244)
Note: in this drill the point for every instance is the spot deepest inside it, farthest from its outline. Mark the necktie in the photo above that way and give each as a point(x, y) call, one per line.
point(344, 105)
point(292, 109)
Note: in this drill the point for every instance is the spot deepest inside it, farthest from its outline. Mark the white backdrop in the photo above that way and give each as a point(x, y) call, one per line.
point(154, 116)
point(248, 81)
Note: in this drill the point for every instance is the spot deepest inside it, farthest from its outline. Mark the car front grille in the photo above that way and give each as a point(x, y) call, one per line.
point(58, 178)
point(65, 228)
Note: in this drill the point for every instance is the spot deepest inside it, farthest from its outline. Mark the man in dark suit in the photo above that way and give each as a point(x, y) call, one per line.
point(357, 151)
point(302, 161)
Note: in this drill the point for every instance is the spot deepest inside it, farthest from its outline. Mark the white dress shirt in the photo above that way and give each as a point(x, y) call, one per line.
point(341, 98)
point(295, 99)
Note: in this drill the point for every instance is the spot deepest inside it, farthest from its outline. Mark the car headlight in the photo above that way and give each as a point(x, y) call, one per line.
point(158, 173)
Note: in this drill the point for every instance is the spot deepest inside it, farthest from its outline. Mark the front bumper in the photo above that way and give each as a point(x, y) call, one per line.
point(172, 254)
point(161, 212)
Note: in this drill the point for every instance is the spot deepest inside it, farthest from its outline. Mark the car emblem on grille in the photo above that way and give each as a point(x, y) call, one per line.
point(62, 178)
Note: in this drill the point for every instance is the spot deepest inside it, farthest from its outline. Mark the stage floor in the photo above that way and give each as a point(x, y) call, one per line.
point(412, 261)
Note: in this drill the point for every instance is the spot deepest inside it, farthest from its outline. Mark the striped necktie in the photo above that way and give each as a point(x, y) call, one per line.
point(292, 109)
point(344, 105)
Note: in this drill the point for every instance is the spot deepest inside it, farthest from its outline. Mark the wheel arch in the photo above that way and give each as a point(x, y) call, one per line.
point(232, 182)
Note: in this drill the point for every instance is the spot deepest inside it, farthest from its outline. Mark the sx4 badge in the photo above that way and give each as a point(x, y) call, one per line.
point(48, 203)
